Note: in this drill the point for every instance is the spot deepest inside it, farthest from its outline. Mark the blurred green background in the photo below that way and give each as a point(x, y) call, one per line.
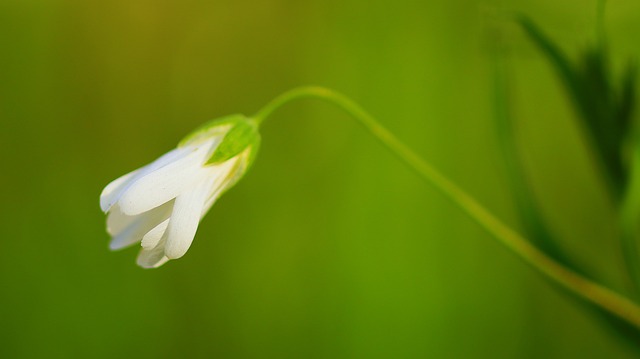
point(329, 248)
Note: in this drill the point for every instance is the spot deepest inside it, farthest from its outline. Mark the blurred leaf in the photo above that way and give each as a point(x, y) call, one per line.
point(528, 211)
point(555, 55)
point(625, 105)
point(605, 119)
point(599, 112)
point(606, 116)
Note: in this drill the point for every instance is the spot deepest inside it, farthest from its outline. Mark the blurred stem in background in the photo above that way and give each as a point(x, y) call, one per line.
point(530, 216)
point(592, 292)
point(605, 112)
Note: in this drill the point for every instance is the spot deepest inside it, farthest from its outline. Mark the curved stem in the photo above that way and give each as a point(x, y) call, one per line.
point(584, 288)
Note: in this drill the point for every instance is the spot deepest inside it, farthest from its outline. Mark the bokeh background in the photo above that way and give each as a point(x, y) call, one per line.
point(329, 248)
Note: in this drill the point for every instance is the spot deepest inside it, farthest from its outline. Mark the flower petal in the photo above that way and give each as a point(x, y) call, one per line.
point(130, 236)
point(114, 190)
point(163, 184)
point(152, 238)
point(111, 193)
point(228, 174)
point(140, 225)
point(118, 221)
point(185, 217)
point(152, 258)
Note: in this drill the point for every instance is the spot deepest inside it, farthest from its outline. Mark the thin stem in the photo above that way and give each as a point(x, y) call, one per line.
point(584, 288)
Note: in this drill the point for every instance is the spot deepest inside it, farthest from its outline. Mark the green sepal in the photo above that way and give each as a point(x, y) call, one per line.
point(244, 164)
point(255, 146)
point(242, 135)
point(211, 128)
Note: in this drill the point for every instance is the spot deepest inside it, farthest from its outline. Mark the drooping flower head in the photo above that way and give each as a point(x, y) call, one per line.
point(161, 204)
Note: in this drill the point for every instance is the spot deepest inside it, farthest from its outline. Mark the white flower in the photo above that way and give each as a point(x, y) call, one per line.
point(161, 204)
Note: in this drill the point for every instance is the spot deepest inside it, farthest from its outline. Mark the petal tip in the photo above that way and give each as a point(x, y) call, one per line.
point(105, 206)
point(152, 258)
point(153, 264)
point(174, 251)
point(117, 244)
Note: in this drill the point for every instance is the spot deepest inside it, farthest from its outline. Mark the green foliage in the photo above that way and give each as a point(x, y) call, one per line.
point(529, 213)
point(605, 107)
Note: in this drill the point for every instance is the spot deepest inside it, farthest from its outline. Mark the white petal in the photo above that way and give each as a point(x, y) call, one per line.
point(185, 218)
point(118, 221)
point(152, 238)
point(169, 157)
point(114, 190)
point(141, 225)
point(152, 258)
point(163, 184)
point(130, 236)
point(228, 174)
point(111, 193)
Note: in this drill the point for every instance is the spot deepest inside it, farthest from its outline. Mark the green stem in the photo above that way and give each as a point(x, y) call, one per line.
point(584, 288)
